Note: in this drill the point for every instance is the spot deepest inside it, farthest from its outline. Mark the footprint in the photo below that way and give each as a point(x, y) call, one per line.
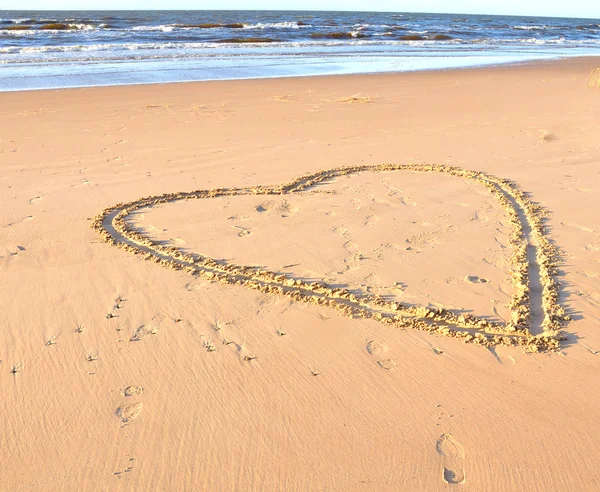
point(243, 231)
point(22, 221)
point(133, 390)
point(477, 217)
point(192, 286)
point(350, 245)
point(128, 413)
point(142, 332)
point(341, 231)
point(474, 279)
point(35, 200)
point(387, 364)
point(376, 348)
point(371, 220)
point(281, 207)
point(452, 453)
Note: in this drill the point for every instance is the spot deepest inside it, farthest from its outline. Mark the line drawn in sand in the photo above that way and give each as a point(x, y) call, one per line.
point(534, 259)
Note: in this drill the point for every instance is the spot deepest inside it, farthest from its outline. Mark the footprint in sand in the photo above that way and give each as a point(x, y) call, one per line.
point(243, 231)
point(22, 221)
point(142, 332)
point(452, 454)
point(133, 390)
point(474, 279)
point(35, 200)
point(350, 245)
point(387, 364)
point(279, 207)
point(371, 220)
point(128, 413)
point(192, 286)
point(341, 231)
point(377, 349)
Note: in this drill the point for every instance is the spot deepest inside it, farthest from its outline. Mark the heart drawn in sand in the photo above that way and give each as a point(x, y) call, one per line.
point(528, 240)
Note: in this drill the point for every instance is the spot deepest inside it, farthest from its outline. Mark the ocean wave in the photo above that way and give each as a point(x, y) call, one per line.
point(428, 37)
point(22, 20)
point(531, 28)
point(188, 48)
point(61, 26)
point(163, 28)
point(211, 25)
point(75, 24)
point(277, 25)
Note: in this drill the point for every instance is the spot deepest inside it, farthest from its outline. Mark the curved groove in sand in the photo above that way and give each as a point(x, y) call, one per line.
point(526, 219)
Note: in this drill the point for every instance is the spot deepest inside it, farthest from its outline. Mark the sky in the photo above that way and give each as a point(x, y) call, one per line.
point(551, 8)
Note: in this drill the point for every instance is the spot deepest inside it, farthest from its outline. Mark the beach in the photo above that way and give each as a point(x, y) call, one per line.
point(181, 312)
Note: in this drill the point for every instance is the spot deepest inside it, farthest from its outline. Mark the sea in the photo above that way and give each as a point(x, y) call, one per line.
point(56, 49)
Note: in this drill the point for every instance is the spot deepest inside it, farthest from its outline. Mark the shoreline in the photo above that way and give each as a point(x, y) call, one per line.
point(513, 64)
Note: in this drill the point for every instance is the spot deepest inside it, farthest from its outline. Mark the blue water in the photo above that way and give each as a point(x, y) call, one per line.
point(90, 48)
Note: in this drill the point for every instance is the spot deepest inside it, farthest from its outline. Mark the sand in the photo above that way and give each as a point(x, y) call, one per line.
point(371, 327)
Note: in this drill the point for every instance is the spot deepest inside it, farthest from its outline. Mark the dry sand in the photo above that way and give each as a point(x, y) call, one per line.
point(117, 373)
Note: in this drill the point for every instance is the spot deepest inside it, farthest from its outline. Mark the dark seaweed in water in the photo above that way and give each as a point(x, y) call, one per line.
point(247, 40)
point(412, 37)
point(57, 27)
point(18, 27)
point(337, 35)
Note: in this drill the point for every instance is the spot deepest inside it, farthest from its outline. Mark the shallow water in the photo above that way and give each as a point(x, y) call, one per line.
point(75, 49)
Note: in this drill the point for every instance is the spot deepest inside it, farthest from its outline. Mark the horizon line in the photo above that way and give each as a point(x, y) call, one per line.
point(297, 10)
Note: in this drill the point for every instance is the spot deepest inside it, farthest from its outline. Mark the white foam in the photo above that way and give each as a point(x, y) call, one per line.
point(274, 25)
point(163, 28)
